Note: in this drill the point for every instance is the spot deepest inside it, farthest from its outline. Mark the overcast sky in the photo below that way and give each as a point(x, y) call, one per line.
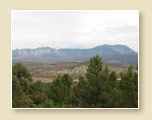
point(74, 29)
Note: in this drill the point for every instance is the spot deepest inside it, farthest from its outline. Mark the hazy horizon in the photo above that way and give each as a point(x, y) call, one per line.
point(74, 29)
point(72, 48)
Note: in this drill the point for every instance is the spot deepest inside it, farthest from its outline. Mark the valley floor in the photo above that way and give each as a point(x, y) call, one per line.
point(47, 72)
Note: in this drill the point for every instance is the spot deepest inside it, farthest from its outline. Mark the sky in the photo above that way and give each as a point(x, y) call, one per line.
point(74, 28)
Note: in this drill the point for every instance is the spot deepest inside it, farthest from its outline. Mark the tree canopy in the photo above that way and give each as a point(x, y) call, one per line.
point(98, 88)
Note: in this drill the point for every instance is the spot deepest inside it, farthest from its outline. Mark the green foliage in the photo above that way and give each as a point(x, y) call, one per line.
point(129, 87)
point(60, 90)
point(20, 98)
point(16, 88)
point(25, 93)
point(48, 103)
point(99, 88)
point(19, 70)
point(38, 92)
point(79, 93)
point(96, 85)
point(24, 83)
point(94, 69)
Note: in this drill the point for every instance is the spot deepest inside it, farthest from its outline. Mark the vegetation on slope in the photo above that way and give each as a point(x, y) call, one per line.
point(98, 89)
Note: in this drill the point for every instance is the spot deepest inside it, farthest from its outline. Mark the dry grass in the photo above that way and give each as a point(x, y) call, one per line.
point(45, 80)
point(47, 72)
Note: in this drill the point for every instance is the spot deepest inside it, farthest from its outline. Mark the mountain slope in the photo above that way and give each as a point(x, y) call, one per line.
point(120, 53)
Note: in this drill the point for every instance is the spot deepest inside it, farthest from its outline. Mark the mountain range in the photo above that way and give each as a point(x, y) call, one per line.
point(109, 53)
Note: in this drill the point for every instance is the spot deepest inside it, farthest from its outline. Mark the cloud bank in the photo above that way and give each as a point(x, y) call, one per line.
point(74, 29)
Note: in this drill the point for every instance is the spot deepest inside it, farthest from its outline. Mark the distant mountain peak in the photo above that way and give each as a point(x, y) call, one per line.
point(105, 51)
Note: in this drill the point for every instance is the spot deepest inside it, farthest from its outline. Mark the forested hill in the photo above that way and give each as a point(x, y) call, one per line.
point(119, 53)
point(99, 88)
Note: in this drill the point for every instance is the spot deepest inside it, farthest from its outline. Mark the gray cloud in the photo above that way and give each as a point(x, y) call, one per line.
point(74, 29)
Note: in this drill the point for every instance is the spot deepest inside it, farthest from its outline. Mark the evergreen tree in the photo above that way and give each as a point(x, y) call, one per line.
point(99, 88)
point(20, 87)
point(60, 90)
point(80, 93)
point(93, 77)
point(38, 92)
point(19, 70)
point(129, 87)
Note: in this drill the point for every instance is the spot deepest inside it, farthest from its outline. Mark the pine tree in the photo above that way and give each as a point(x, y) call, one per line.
point(60, 90)
point(93, 77)
point(129, 87)
point(80, 93)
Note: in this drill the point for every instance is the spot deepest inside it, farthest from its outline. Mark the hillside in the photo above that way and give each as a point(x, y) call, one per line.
point(109, 53)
